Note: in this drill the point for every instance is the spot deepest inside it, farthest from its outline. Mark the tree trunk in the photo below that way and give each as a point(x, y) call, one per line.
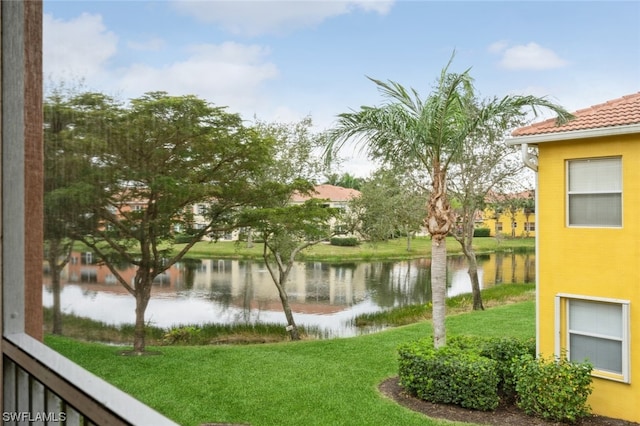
point(280, 279)
point(57, 310)
point(55, 269)
point(250, 238)
point(408, 239)
point(143, 294)
point(292, 328)
point(475, 281)
point(439, 290)
point(439, 222)
point(472, 261)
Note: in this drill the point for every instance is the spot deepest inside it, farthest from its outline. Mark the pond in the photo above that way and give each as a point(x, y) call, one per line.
point(324, 296)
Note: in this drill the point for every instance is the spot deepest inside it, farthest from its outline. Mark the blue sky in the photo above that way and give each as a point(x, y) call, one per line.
point(284, 60)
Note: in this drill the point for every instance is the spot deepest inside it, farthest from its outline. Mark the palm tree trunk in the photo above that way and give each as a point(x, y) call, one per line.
point(439, 222)
point(439, 290)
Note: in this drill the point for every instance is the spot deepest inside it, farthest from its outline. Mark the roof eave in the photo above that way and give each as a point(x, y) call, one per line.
point(576, 134)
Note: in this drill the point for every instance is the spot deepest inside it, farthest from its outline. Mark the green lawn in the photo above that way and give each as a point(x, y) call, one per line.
point(320, 382)
point(388, 250)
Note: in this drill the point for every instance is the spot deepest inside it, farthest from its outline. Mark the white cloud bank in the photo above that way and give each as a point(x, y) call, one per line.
point(83, 49)
point(529, 56)
point(77, 48)
point(255, 17)
point(226, 74)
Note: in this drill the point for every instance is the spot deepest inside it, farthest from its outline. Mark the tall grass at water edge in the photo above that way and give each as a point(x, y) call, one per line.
point(386, 250)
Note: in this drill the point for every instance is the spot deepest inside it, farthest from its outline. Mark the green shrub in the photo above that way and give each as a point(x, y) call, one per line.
point(183, 238)
point(554, 389)
point(505, 351)
point(188, 335)
point(481, 232)
point(449, 375)
point(344, 241)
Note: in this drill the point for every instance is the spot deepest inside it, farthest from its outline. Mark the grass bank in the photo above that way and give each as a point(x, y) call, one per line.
point(387, 250)
point(314, 382)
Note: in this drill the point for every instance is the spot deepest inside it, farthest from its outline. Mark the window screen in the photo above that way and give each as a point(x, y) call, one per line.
point(596, 334)
point(595, 192)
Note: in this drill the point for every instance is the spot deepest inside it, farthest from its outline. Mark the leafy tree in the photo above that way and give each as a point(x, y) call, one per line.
point(485, 164)
point(431, 133)
point(63, 172)
point(344, 180)
point(152, 161)
point(389, 206)
point(284, 228)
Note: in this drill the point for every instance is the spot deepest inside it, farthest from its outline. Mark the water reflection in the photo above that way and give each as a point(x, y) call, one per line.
point(326, 296)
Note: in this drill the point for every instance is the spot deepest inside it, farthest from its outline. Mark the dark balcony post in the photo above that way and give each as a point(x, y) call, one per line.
point(34, 169)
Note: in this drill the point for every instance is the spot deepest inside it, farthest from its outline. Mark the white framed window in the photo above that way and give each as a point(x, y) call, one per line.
point(594, 192)
point(596, 330)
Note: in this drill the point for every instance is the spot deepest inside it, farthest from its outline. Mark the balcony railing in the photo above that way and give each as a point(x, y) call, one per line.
point(41, 387)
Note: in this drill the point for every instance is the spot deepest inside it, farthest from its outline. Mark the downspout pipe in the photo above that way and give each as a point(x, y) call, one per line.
point(528, 159)
point(531, 162)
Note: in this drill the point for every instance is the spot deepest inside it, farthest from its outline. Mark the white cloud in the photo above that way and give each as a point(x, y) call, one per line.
point(152, 44)
point(530, 56)
point(80, 47)
point(498, 47)
point(225, 74)
point(257, 17)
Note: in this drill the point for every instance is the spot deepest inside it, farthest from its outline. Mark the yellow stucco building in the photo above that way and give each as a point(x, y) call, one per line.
point(509, 219)
point(588, 246)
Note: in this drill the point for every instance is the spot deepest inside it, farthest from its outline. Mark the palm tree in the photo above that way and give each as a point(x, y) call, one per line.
point(429, 133)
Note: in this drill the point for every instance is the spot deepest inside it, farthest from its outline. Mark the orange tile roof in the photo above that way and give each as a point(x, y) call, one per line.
point(330, 192)
point(617, 112)
point(493, 197)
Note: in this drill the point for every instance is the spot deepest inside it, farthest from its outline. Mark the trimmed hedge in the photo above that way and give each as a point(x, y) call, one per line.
point(449, 375)
point(481, 232)
point(506, 351)
point(344, 241)
point(476, 372)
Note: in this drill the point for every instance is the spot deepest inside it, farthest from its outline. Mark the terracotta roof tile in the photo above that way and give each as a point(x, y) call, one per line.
point(494, 197)
point(330, 192)
point(617, 112)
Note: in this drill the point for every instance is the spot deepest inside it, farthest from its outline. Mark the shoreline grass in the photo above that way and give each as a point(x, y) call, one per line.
point(314, 382)
point(493, 296)
point(386, 250)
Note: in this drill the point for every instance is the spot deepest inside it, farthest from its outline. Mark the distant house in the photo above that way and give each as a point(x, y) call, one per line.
point(334, 196)
point(510, 214)
point(588, 246)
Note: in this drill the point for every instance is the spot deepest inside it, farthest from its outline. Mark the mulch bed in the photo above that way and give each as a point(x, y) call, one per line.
point(505, 414)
